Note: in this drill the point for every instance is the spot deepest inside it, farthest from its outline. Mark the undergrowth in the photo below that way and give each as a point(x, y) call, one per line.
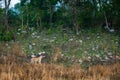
point(66, 52)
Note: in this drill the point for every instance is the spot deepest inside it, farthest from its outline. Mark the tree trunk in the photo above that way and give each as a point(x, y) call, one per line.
point(76, 28)
point(106, 21)
point(27, 23)
point(6, 23)
point(7, 3)
point(37, 23)
point(76, 25)
point(22, 20)
point(40, 24)
point(51, 15)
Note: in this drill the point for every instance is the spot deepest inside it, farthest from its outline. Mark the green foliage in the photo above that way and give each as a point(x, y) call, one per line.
point(1, 32)
point(6, 36)
point(54, 30)
point(46, 14)
point(53, 15)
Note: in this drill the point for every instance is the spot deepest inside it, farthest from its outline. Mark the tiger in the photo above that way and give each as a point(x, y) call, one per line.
point(37, 60)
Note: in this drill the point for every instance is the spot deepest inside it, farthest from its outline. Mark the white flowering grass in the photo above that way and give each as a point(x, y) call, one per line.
point(87, 44)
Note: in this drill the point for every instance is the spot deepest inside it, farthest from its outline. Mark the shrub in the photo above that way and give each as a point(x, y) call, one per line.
point(6, 36)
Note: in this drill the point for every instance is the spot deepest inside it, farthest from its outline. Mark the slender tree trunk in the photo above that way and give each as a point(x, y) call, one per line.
point(76, 28)
point(51, 15)
point(6, 23)
point(37, 23)
point(22, 20)
point(7, 3)
point(76, 25)
point(27, 23)
point(106, 21)
point(40, 24)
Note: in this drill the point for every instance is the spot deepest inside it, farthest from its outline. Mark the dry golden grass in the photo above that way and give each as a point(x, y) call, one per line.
point(12, 69)
point(56, 55)
point(17, 49)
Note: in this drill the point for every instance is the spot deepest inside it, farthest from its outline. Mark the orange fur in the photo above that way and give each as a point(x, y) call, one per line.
point(36, 59)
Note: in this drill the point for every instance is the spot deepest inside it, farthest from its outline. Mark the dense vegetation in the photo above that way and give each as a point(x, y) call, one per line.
point(52, 14)
point(75, 34)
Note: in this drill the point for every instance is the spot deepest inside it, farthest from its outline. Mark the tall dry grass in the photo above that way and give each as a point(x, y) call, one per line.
point(56, 55)
point(17, 49)
point(11, 68)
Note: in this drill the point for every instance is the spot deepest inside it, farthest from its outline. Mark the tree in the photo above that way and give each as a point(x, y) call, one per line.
point(6, 3)
point(51, 6)
point(81, 12)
